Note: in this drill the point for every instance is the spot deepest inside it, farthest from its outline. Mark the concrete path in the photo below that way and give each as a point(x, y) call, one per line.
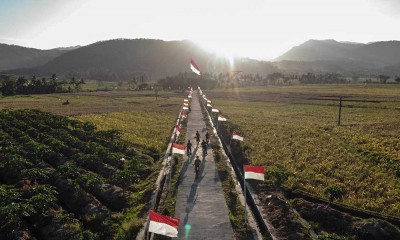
point(200, 202)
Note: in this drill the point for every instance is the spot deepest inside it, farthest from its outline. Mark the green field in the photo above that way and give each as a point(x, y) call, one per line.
point(294, 129)
point(68, 173)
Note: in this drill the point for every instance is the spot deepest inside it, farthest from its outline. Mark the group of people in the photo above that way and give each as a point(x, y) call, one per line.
point(204, 145)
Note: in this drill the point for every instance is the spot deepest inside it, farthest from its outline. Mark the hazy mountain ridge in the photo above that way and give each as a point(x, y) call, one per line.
point(13, 56)
point(120, 59)
point(379, 57)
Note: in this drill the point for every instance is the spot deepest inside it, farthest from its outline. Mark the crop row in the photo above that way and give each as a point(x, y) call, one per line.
point(91, 173)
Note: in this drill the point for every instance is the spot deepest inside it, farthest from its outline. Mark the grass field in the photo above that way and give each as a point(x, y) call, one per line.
point(294, 129)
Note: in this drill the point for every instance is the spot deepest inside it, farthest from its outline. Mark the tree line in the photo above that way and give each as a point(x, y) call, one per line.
point(240, 79)
point(12, 85)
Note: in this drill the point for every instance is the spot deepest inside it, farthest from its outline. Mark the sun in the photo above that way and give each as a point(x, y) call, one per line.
point(221, 49)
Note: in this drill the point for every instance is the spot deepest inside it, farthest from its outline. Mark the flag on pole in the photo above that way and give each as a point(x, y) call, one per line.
point(178, 130)
point(190, 96)
point(253, 172)
point(186, 100)
point(221, 118)
point(208, 101)
point(178, 148)
point(194, 67)
point(185, 108)
point(237, 136)
point(209, 105)
point(184, 115)
point(215, 110)
point(163, 225)
point(185, 104)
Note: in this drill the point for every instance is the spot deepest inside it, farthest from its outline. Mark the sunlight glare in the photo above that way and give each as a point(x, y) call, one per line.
point(221, 50)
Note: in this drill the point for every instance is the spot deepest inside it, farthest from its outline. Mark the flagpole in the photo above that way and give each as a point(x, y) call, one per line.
point(148, 226)
point(230, 144)
point(170, 170)
point(245, 199)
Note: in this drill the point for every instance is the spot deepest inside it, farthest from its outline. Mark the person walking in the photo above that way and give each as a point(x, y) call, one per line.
point(204, 146)
point(196, 164)
point(207, 137)
point(197, 137)
point(189, 148)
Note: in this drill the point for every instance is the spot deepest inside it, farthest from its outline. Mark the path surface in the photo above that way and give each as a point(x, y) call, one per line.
point(200, 204)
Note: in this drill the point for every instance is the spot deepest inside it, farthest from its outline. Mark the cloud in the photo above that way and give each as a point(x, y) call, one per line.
point(391, 7)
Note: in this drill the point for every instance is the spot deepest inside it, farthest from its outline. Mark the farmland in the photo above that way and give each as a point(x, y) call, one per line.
point(294, 129)
point(87, 176)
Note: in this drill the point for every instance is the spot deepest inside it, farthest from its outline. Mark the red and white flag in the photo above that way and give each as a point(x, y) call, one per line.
point(190, 96)
point(209, 105)
point(194, 67)
point(186, 100)
point(184, 115)
point(215, 110)
point(221, 118)
point(185, 104)
point(208, 101)
point(253, 172)
point(163, 225)
point(185, 108)
point(178, 148)
point(237, 136)
point(178, 130)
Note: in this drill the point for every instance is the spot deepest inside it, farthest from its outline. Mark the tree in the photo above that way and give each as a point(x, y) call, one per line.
point(53, 84)
point(76, 83)
point(383, 78)
point(133, 83)
point(156, 89)
point(7, 85)
point(21, 85)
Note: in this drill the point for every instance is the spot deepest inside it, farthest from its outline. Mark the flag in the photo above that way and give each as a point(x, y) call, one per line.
point(214, 109)
point(186, 100)
point(194, 67)
point(178, 130)
point(236, 136)
point(253, 172)
point(163, 225)
point(185, 104)
point(185, 108)
point(208, 101)
point(209, 105)
point(184, 115)
point(190, 96)
point(221, 118)
point(178, 148)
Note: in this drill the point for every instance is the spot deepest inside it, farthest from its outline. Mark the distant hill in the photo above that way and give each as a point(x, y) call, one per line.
point(12, 56)
point(342, 57)
point(120, 59)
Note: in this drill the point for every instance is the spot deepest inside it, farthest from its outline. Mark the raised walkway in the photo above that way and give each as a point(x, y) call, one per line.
point(200, 204)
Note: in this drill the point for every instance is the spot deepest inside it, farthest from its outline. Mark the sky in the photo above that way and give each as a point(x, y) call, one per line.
point(259, 29)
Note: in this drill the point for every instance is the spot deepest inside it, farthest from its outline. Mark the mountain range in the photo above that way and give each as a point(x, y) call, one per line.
point(344, 57)
point(119, 59)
